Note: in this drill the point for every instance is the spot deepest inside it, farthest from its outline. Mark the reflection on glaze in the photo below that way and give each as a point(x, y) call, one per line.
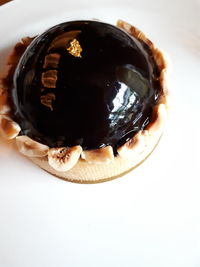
point(84, 83)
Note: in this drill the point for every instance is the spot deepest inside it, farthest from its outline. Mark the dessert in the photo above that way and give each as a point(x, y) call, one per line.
point(85, 100)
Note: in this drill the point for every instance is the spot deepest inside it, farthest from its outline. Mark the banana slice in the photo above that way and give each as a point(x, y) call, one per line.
point(140, 141)
point(158, 122)
point(98, 156)
point(31, 148)
point(134, 146)
point(64, 158)
point(4, 107)
point(9, 128)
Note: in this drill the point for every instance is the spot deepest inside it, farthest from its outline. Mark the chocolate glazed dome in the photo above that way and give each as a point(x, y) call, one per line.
point(85, 83)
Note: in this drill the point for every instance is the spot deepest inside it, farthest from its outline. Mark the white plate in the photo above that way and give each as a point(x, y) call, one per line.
point(150, 217)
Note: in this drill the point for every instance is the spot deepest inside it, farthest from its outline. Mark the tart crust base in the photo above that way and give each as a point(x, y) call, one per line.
point(84, 172)
point(130, 155)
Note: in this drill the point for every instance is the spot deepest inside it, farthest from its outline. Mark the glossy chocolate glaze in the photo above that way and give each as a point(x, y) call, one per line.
point(99, 94)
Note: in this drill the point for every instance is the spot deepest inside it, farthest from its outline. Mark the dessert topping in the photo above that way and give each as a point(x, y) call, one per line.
point(51, 61)
point(75, 48)
point(31, 148)
point(49, 78)
point(62, 159)
point(47, 100)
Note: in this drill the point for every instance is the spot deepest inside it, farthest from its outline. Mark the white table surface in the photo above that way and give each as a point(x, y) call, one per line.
point(150, 217)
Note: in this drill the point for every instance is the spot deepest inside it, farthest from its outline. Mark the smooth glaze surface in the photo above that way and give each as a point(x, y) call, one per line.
point(99, 94)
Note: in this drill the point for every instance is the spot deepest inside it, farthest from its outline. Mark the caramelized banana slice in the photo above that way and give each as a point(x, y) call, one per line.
point(101, 155)
point(158, 122)
point(64, 158)
point(134, 146)
point(139, 142)
point(8, 127)
point(4, 107)
point(31, 148)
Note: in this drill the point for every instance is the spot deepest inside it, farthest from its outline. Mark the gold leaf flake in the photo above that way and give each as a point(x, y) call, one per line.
point(75, 48)
point(47, 100)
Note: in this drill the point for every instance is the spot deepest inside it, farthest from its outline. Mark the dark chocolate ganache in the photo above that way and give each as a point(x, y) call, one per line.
point(84, 83)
